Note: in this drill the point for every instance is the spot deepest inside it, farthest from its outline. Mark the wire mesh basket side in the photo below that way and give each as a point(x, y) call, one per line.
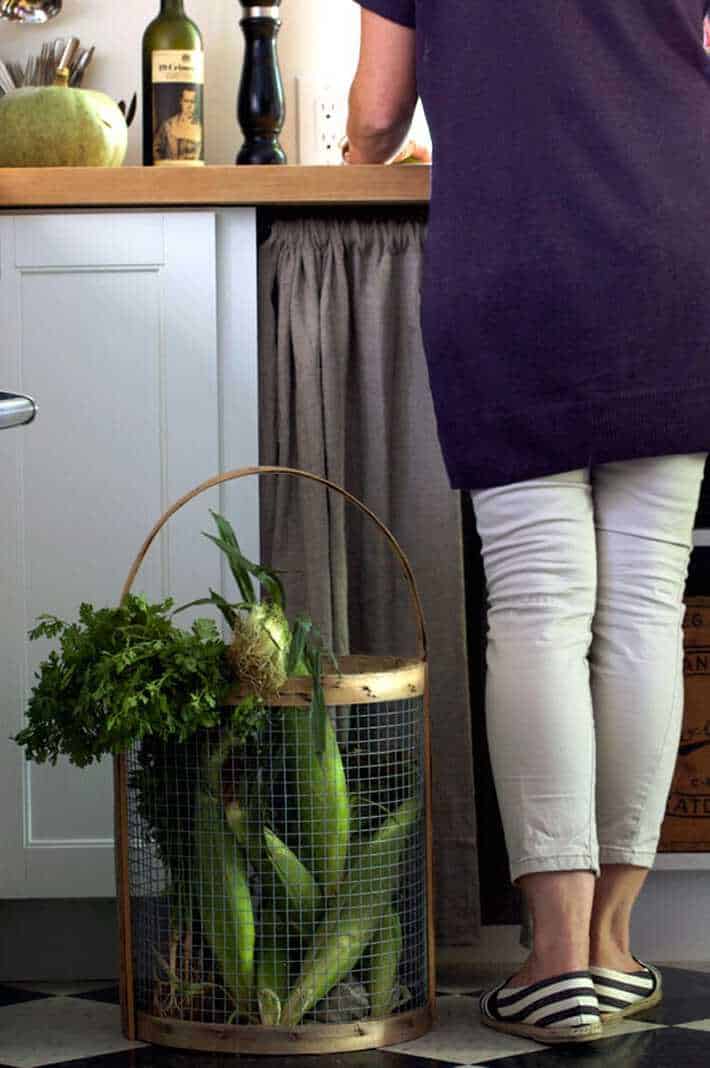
point(184, 959)
point(252, 902)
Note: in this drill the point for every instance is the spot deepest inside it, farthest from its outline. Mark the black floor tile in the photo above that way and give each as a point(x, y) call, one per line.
point(12, 995)
point(109, 994)
point(665, 1047)
point(462, 990)
point(686, 997)
point(160, 1057)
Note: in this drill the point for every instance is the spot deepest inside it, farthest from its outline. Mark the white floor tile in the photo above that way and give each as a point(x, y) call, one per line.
point(59, 1029)
point(459, 1035)
point(626, 1026)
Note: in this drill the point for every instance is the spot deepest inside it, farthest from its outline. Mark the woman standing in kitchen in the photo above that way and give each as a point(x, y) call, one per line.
point(566, 324)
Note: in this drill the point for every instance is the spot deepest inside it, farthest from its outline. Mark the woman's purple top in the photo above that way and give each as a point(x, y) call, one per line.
point(566, 284)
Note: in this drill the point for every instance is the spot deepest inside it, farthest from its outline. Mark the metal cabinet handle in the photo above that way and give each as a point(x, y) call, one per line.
point(16, 409)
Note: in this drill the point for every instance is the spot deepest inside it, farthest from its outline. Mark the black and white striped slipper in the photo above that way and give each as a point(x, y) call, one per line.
point(562, 1008)
point(626, 993)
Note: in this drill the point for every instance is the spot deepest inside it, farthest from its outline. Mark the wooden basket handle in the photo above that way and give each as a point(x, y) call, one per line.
point(242, 472)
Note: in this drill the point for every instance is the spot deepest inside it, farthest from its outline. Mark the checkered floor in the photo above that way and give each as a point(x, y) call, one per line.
point(78, 1025)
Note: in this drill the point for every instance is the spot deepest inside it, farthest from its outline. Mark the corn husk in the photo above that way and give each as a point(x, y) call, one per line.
point(224, 900)
point(320, 794)
point(385, 952)
point(348, 927)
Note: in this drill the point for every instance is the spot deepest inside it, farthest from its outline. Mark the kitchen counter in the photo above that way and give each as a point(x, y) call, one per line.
point(91, 187)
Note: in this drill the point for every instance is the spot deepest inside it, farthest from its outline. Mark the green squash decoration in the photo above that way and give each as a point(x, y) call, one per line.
point(55, 126)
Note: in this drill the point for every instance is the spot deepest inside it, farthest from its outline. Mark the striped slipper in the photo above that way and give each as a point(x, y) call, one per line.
point(562, 1008)
point(626, 993)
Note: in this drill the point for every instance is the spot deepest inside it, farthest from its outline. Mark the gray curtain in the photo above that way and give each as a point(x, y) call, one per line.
point(344, 393)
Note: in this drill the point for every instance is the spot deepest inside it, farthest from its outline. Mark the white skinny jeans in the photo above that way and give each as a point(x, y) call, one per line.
point(585, 573)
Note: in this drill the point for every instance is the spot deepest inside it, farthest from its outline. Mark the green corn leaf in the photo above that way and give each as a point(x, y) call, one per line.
point(299, 635)
point(317, 713)
point(241, 576)
point(229, 611)
point(243, 567)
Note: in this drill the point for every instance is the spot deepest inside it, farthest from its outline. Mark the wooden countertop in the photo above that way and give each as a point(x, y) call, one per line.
point(92, 187)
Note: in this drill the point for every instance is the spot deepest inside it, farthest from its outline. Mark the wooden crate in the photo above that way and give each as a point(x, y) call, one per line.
point(686, 826)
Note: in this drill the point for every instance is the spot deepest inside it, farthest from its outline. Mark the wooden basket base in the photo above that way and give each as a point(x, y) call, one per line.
point(314, 1038)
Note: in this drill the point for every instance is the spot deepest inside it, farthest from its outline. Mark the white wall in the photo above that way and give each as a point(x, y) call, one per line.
point(316, 38)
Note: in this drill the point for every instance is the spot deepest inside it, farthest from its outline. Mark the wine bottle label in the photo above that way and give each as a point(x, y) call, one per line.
point(178, 86)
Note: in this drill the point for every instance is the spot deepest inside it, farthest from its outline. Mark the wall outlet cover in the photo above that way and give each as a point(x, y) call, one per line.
point(322, 117)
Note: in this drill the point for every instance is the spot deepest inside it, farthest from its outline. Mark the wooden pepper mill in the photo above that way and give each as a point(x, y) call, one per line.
point(260, 106)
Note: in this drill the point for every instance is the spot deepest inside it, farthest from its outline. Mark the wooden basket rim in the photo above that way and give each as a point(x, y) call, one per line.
point(387, 678)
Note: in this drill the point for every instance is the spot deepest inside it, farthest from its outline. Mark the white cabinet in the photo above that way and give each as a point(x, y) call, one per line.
point(136, 334)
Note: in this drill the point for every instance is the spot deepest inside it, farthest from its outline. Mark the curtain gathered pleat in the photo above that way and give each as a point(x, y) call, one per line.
point(344, 394)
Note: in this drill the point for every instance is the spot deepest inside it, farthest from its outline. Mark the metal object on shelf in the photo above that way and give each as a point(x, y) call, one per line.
point(16, 409)
point(80, 66)
point(42, 69)
point(37, 11)
point(129, 113)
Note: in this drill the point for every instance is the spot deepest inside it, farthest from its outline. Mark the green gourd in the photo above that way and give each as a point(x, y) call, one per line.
point(54, 126)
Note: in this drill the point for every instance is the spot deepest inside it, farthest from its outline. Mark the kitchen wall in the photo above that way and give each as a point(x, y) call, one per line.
point(316, 38)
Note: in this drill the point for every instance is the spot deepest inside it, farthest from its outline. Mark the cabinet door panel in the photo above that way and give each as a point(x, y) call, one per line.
point(89, 240)
point(110, 322)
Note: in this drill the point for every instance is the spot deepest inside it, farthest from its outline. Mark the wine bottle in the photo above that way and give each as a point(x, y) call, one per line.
point(173, 89)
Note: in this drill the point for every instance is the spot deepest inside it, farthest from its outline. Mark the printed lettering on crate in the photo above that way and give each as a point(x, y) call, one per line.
point(686, 826)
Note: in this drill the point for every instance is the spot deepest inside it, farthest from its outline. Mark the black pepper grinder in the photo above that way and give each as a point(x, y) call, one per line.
point(260, 105)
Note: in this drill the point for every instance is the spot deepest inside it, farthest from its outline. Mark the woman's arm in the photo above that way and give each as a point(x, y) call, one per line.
point(383, 95)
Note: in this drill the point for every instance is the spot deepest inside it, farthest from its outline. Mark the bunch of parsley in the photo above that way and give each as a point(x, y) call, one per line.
point(122, 674)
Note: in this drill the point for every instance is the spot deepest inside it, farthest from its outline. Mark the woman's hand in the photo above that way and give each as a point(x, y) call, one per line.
point(412, 152)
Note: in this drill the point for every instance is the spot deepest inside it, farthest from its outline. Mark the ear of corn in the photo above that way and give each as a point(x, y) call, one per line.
point(272, 963)
point(247, 816)
point(247, 824)
point(305, 900)
point(321, 797)
point(224, 901)
point(362, 898)
point(236, 816)
point(385, 951)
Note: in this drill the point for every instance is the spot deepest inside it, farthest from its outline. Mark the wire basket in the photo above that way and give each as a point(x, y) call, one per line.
point(276, 896)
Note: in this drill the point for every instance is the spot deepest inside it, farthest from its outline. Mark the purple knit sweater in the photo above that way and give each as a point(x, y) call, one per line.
point(566, 289)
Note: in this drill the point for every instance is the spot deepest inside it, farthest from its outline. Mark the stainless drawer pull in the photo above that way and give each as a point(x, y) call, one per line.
point(16, 409)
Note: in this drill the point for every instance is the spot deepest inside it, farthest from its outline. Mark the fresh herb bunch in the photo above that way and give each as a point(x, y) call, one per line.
point(121, 674)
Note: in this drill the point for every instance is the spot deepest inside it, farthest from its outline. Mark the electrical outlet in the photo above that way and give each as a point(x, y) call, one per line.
point(322, 116)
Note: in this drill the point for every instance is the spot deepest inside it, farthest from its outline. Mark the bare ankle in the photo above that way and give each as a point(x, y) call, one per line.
point(609, 947)
point(615, 893)
point(560, 956)
point(611, 932)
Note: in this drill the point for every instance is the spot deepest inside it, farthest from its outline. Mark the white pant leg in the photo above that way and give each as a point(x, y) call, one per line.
point(644, 512)
point(539, 554)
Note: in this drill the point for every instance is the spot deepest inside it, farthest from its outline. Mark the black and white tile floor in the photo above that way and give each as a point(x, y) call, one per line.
point(77, 1025)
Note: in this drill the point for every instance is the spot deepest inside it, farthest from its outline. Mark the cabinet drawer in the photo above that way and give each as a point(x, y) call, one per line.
point(90, 240)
